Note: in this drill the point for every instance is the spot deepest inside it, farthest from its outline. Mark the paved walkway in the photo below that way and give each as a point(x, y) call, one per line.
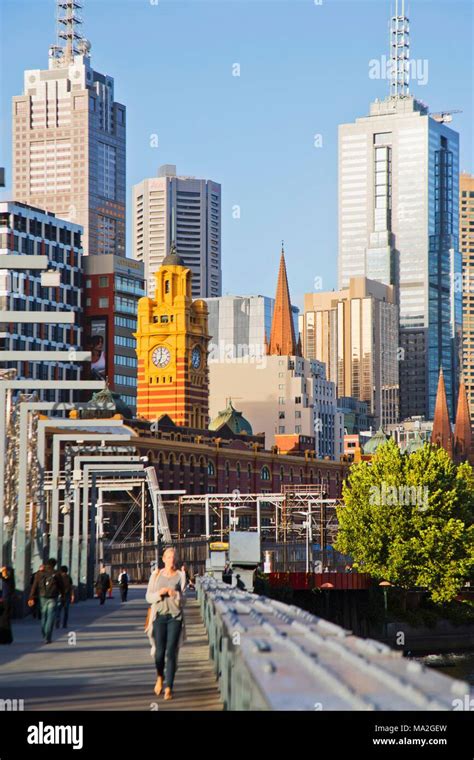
point(102, 662)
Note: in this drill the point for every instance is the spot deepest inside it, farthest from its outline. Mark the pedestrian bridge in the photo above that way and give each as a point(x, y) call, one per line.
point(271, 656)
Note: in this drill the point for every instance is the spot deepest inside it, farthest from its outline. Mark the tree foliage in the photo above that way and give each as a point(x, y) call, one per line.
point(408, 518)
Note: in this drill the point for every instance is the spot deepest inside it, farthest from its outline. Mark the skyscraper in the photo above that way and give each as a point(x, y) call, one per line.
point(398, 223)
point(69, 140)
point(466, 245)
point(354, 331)
point(187, 212)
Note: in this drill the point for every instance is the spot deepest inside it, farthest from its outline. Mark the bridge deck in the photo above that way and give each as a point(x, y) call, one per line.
point(109, 666)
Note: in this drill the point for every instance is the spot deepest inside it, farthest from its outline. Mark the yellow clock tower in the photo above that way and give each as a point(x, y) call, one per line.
point(172, 342)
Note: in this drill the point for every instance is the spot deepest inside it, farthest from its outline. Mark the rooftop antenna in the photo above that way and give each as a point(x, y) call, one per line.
point(69, 40)
point(400, 52)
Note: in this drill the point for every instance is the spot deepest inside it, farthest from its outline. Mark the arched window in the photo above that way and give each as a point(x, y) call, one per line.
point(167, 286)
point(282, 474)
point(211, 469)
point(249, 470)
point(311, 476)
point(291, 474)
point(265, 473)
point(161, 460)
point(227, 469)
point(171, 463)
point(237, 467)
point(150, 456)
point(191, 464)
point(319, 477)
point(301, 476)
point(182, 462)
point(202, 465)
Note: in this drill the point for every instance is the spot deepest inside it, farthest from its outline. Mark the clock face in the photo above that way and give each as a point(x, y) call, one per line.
point(196, 357)
point(161, 357)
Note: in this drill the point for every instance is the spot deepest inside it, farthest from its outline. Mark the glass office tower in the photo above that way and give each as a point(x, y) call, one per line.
point(398, 222)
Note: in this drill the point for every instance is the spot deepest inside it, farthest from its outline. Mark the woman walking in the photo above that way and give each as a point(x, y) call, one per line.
point(165, 627)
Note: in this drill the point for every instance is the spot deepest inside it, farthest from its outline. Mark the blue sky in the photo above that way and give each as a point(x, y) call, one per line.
point(304, 69)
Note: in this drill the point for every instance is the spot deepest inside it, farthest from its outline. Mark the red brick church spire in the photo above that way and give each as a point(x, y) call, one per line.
point(462, 429)
point(282, 337)
point(442, 434)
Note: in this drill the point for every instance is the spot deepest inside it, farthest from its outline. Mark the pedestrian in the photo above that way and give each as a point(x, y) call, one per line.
point(35, 607)
point(102, 584)
point(67, 599)
point(48, 584)
point(6, 604)
point(123, 583)
point(165, 626)
point(185, 571)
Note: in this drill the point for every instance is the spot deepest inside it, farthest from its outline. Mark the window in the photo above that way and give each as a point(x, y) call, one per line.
point(211, 469)
point(103, 282)
point(265, 473)
point(281, 429)
point(167, 286)
point(88, 283)
point(103, 303)
point(88, 301)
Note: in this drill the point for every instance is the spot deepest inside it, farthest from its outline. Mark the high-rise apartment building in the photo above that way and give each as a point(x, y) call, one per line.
point(466, 245)
point(183, 211)
point(69, 140)
point(398, 223)
point(29, 231)
point(355, 333)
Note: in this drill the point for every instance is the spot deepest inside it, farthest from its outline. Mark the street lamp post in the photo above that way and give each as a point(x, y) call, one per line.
point(385, 585)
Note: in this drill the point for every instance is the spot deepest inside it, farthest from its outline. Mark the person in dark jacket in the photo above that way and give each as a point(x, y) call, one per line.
point(67, 599)
point(123, 583)
point(48, 584)
point(35, 607)
point(102, 585)
point(6, 604)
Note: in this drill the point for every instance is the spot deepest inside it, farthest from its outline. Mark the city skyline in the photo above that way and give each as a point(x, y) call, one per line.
point(274, 89)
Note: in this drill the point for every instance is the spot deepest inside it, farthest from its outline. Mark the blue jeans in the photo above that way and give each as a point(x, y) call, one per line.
point(48, 615)
point(63, 604)
point(166, 630)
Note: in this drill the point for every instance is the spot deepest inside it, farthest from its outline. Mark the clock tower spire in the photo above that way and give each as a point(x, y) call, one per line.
point(172, 339)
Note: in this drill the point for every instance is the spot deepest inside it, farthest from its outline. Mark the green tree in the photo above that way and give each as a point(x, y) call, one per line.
point(408, 518)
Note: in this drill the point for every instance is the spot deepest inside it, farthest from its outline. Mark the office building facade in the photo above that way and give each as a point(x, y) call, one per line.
point(184, 211)
point(466, 245)
point(399, 224)
point(355, 333)
point(29, 231)
point(69, 142)
point(113, 287)
point(241, 325)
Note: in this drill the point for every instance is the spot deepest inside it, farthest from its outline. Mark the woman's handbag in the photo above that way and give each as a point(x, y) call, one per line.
point(148, 614)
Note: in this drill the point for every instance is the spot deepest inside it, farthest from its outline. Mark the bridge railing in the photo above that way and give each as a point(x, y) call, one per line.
point(271, 656)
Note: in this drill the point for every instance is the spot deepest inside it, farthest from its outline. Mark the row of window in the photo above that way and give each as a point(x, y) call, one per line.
point(265, 473)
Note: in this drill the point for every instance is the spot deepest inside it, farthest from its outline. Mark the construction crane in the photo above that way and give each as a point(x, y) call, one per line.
point(445, 117)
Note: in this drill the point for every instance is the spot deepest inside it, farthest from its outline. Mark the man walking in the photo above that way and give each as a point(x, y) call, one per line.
point(48, 585)
point(103, 584)
point(123, 583)
point(67, 599)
